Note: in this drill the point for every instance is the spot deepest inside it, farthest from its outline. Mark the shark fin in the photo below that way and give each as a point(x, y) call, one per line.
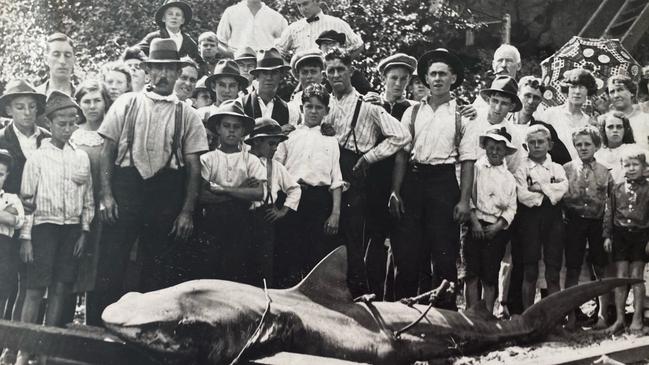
point(328, 279)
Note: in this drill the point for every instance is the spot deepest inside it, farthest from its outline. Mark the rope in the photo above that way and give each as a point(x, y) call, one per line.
point(255, 335)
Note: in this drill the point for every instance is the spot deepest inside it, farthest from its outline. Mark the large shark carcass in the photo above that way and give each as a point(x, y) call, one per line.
point(220, 322)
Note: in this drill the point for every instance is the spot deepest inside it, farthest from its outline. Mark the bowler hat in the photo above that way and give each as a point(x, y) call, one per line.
point(440, 55)
point(233, 108)
point(183, 6)
point(6, 158)
point(266, 127)
point(270, 60)
point(500, 135)
point(301, 56)
point(506, 85)
point(228, 68)
point(21, 88)
point(164, 50)
point(331, 36)
point(245, 54)
point(58, 100)
point(398, 60)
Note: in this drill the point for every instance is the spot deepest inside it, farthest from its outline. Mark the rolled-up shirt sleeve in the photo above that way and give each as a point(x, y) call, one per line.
point(396, 135)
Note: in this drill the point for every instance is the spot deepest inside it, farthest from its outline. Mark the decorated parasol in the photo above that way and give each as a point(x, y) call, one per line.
point(603, 57)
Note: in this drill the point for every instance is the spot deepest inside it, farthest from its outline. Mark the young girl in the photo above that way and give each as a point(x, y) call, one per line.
point(226, 194)
point(617, 137)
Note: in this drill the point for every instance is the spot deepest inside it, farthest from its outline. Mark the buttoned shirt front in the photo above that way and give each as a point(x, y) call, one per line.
point(372, 123)
point(564, 122)
point(267, 110)
point(434, 139)
point(27, 144)
point(494, 192)
point(549, 175)
point(239, 28)
point(7, 201)
point(59, 182)
point(154, 117)
point(627, 206)
point(588, 188)
point(278, 179)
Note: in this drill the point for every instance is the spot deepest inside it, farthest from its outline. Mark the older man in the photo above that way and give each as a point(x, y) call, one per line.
point(150, 179)
point(506, 61)
point(250, 23)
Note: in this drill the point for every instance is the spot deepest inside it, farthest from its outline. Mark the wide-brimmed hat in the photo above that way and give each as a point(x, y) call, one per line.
point(440, 55)
point(234, 108)
point(58, 100)
point(331, 36)
point(398, 60)
point(270, 59)
point(266, 127)
point(20, 88)
point(301, 56)
point(246, 53)
point(500, 135)
point(164, 50)
point(227, 68)
point(506, 85)
point(183, 6)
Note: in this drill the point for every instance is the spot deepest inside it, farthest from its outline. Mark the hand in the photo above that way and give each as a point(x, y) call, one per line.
point(372, 97)
point(288, 128)
point(29, 207)
point(80, 245)
point(491, 230)
point(608, 245)
point(476, 231)
point(26, 251)
point(396, 206)
point(108, 210)
point(331, 225)
point(535, 188)
point(216, 188)
point(273, 214)
point(461, 212)
point(467, 111)
point(183, 226)
point(360, 169)
point(327, 129)
point(11, 210)
point(250, 182)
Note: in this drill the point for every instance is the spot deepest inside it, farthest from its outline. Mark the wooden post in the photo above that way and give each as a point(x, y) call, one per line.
point(507, 29)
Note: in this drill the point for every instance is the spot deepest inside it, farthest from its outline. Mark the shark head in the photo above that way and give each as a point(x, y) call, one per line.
point(202, 320)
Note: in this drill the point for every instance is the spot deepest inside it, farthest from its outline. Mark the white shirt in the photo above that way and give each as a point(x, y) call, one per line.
point(231, 169)
point(267, 111)
point(239, 28)
point(11, 201)
point(513, 161)
point(176, 37)
point(611, 158)
point(564, 122)
point(640, 125)
point(27, 144)
point(280, 180)
point(549, 175)
point(494, 192)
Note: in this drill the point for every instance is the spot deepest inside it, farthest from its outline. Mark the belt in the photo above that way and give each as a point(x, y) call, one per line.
point(426, 168)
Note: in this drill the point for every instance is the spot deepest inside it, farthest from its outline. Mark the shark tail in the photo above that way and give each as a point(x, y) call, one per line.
point(545, 314)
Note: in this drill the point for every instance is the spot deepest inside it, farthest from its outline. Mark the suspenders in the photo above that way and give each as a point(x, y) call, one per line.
point(352, 132)
point(458, 125)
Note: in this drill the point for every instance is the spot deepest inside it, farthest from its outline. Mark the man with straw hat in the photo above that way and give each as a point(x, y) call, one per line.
point(150, 177)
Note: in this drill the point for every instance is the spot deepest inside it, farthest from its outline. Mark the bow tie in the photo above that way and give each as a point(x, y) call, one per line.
point(312, 19)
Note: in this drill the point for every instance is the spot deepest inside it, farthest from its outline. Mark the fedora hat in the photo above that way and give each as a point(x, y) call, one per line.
point(58, 100)
point(164, 50)
point(266, 127)
point(270, 59)
point(227, 68)
point(21, 87)
point(301, 56)
point(183, 6)
point(331, 36)
point(233, 108)
point(246, 53)
point(500, 135)
point(440, 55)
point(398, 60)
point(506, 85)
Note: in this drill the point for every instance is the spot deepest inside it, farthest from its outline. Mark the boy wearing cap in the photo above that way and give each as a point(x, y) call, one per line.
point(247, 60)
point(493, 206)
point(226, 195)
point(281, 195)
point(58, 181)
point(202, 96)
point(307, 68)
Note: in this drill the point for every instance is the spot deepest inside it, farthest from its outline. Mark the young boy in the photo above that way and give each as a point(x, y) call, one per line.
point(493, 208)
point(210, 50)
point(313, 160)
point(282, 194)
point(226, 195)
point(626, 233)
point(57, 180)
point(541, 184)
point(12, 217)
point(307, 68)
point(589, 183)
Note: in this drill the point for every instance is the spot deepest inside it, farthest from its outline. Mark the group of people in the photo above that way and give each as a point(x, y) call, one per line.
point(180, 161)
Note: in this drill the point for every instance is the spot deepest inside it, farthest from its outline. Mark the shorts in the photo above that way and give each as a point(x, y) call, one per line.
point(54, 261)
point(540, 228)
point(8, 263)
point(579, 231)
point(629, 245)
point(482, 257)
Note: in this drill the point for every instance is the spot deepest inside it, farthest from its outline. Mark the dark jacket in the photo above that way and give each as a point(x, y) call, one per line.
point(9, 142)
point(188, 48)
point(252, 108)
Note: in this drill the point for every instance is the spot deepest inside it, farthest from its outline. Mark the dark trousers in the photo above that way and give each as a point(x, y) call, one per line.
point(147, 209)
point(263, 247)
point(427, 231)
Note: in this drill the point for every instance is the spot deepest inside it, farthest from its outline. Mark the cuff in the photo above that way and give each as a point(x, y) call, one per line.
point(370, 157)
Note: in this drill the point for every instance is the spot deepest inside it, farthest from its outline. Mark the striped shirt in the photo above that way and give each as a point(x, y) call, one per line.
point(240, 28)
point(301, 35)
point(11, 201)
point(59, 182)
point(373, 123)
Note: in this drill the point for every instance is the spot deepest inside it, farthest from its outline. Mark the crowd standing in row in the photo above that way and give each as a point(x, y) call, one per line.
point(181, 162)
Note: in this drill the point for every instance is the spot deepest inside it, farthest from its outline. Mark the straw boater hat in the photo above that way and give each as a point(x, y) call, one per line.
point(58, 100)
point(234, 108)
point(499, 135)
point(266, 127)
point(301, 56)
point(20, 88)
point(398, 60)
point(506, 85)
point(440, 55)
point(270, 60)
point(163, 50)
point(227, 68)
point(183, 6)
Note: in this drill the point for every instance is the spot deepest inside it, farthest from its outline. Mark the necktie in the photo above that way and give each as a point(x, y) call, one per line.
point(312, 19)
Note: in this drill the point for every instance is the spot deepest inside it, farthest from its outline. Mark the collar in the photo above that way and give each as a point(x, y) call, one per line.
point(637, 182)
point(172, 34)
point(172, 98)
point(37, 132)
point(451, 103)
point(484, 161)
point(546, 164)
point(591, 164)
point(401, 99)
point(47, 144)
point(354, 93)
